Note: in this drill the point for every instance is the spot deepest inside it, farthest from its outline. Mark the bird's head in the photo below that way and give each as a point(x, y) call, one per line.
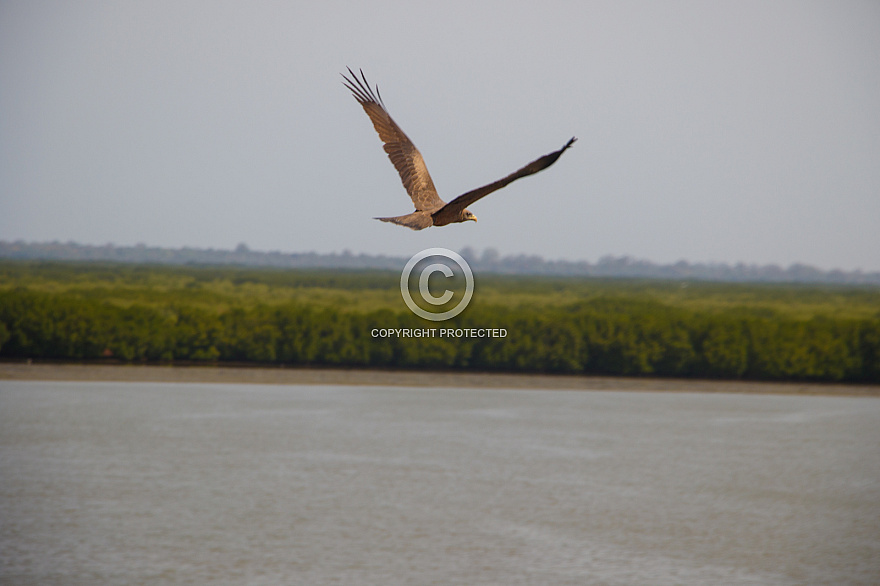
point(467, 215)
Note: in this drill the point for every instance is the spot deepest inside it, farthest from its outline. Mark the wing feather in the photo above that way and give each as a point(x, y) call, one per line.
point(404, 155)
point(453, 208)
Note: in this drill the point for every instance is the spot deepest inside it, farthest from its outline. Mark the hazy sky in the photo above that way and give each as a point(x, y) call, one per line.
point(709, 131)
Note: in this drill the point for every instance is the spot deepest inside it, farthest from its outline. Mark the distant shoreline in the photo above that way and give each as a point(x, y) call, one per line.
point(408, 378)
point(490, 261)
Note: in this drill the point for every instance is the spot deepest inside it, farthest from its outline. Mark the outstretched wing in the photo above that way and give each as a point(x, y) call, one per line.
point(404, 155)
point(462, 201)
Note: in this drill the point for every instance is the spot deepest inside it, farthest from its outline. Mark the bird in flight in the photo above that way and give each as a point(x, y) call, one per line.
point(430, 209)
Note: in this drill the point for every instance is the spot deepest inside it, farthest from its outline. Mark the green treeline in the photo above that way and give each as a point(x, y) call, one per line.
point(603, 334)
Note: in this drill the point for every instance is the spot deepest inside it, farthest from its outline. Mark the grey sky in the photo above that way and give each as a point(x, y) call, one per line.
point(709, 131)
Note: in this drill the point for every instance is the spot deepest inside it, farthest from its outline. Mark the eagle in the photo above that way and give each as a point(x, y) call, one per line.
point(406, 158)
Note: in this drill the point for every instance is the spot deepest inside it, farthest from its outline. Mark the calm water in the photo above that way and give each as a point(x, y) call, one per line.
point(130, 483)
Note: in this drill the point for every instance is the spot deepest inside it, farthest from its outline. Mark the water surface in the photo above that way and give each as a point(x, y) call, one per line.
point(110, 483)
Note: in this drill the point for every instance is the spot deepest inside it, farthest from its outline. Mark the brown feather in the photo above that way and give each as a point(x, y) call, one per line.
point(451, 210)
point(406, 158)
point(404, 155)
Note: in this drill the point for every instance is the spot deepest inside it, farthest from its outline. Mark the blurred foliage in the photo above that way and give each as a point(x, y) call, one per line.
point(564, 325)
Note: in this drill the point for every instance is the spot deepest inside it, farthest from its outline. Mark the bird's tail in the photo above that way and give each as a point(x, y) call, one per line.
point(414, 221)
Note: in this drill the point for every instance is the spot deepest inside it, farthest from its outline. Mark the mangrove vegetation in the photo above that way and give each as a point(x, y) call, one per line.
point(574, 325)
